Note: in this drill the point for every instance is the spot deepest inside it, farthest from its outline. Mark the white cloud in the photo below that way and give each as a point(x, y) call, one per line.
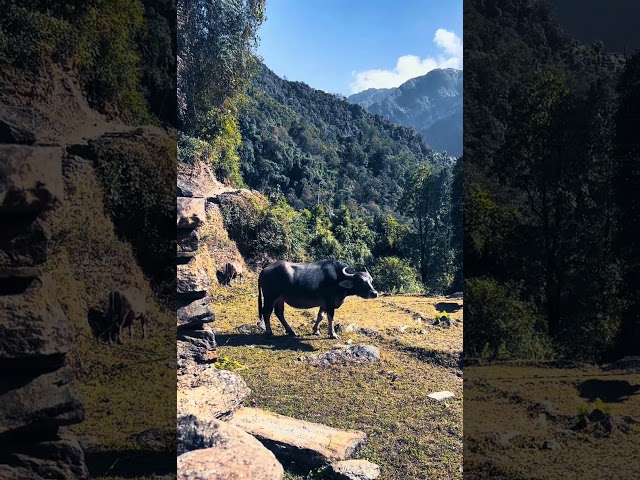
point(411, 66)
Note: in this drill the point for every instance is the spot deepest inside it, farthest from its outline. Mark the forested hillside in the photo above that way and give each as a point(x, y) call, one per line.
point(431, 103)
point(543, 116)
point(366, 188)
point(123, 53)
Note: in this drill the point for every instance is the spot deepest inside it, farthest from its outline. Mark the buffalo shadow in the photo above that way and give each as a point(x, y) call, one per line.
point(449, 307)
point(609, 391)
point(277, 342)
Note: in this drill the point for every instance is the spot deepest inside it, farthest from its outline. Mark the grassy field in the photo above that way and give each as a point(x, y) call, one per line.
point(525, 423)
point(409, 435)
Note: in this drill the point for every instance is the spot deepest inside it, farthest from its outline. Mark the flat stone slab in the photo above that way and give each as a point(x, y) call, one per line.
point(355, 470)
point(441, 395)
point(195, 314)
point(307, 443)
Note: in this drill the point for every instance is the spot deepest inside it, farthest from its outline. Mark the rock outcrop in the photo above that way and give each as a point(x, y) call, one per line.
point(207, 447)
point(196, 343)
point(37, 400)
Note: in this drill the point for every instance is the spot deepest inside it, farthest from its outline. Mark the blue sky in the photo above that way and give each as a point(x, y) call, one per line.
point(345, 46)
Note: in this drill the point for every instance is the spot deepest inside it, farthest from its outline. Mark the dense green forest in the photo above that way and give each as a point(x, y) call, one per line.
point(548, 205)
point(339, 181)
point(123, 52)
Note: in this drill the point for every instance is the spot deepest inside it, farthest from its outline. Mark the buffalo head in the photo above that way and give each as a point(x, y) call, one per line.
point(359, 283)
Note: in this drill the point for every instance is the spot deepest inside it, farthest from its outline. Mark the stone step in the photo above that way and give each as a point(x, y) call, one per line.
point(307, 443)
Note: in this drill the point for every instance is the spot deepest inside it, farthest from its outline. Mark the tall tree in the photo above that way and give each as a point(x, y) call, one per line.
point(627, 183)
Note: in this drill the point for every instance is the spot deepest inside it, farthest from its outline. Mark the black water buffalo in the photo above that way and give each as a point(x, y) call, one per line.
point(324, 284)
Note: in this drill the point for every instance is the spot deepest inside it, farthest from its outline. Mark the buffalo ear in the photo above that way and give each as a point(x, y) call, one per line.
point(346, 284)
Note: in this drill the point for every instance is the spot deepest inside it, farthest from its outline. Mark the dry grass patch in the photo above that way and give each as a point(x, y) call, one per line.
point(410, 435)
point(521, 423)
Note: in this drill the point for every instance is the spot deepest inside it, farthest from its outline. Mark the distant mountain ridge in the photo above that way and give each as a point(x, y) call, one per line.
point(432, 104)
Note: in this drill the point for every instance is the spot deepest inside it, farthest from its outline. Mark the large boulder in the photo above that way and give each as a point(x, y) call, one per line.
point(30, 178)
point(60, 458)
point(302, 442)
point(23, 244)
point(193, 280)
point(16, 125)
point(33, 325)
point(190, 213)
point(219, 451)
point(208, 393)
point(195, 314)
point(46, 401)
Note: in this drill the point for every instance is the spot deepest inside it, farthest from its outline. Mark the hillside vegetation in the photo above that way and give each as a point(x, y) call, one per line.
point(122, 52)
point(548, 182)
point(357, 186)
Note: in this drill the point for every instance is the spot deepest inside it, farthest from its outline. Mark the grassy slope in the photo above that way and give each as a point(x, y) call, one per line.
point(496, 390)
point(123, 389)
point(410, 436)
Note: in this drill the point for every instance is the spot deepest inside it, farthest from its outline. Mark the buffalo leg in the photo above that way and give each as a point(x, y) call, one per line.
point(266, 316)
point(143, 322)
point(130, 332)
point(332, 332)
point(279, 309)
point(316, 327)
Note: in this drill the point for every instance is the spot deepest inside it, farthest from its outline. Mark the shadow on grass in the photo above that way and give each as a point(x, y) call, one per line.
point(449, 307)
point(276, 342)
point(130, 463)
point(436, 357)
point(609, 391)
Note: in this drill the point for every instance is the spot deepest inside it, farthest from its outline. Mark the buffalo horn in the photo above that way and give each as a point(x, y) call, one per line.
point(344, 272)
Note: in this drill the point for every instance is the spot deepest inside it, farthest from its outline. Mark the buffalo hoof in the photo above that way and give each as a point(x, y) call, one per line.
point(292, 334)
point(268, 334)
point(317, 334)
point(334, 336)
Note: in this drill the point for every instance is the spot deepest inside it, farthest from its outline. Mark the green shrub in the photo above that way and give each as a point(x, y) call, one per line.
point(29, 38)
point(500, 326)
point(392, 274)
